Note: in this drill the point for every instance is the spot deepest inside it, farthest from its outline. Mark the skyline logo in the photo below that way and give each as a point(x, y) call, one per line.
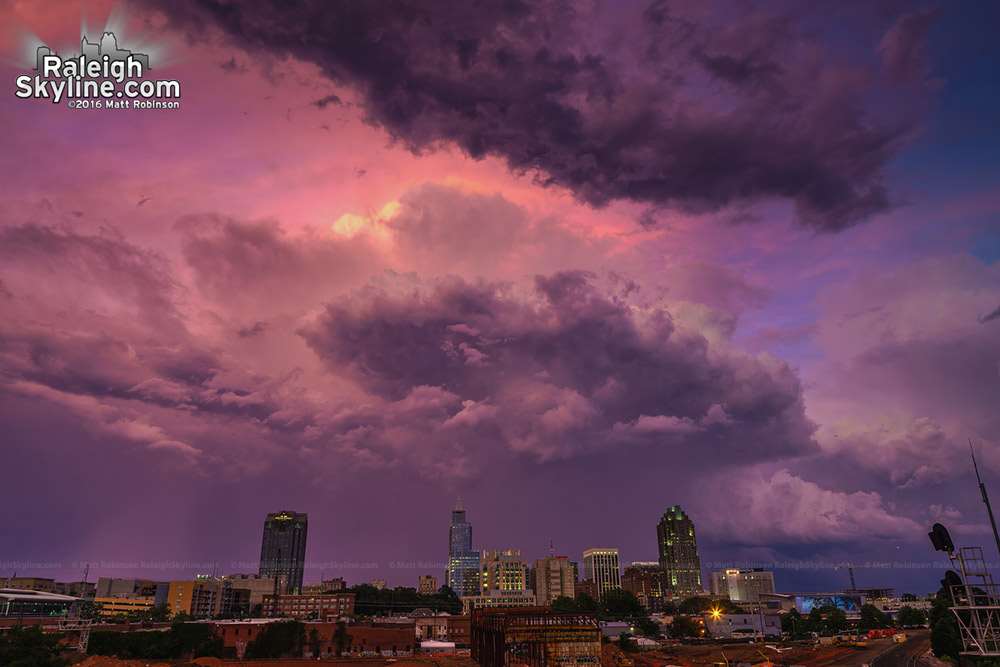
point(104, 75)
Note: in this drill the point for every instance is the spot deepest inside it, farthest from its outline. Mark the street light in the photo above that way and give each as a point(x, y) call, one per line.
point(716, 613)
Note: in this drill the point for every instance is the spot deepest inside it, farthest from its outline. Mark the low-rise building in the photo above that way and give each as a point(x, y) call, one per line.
point(76, 589)
point(110, 587)
point(123, 606)
point(741, 585)
point(29, 584)
point(497, 599)
point(368, 639)
point(429, 625)
point(804, 603)
point(320, 606)
point(536, 637)
point(735, 626)
point(257, 585)
point(204, 597)
point(325, 586)
point(36, 604)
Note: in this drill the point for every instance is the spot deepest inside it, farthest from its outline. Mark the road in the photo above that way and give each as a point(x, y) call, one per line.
point(908, 654)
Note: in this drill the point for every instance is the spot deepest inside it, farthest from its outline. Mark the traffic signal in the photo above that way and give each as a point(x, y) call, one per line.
point(940, 538)
point(950, 581)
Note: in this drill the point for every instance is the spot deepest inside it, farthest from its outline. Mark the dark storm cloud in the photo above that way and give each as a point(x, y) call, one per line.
point(126, 271)
point(564, 369)
point(256, 265)
point(324, 102)
point(983, 319)
point(62, 338)
point(904, 43)
point(257, 329)
point(680, 113)
point(232, 67)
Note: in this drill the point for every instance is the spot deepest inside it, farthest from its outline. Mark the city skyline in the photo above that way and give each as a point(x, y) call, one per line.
point(573, 263)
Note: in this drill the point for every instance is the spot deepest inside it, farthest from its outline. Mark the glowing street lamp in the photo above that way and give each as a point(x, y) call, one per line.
point(716, 613)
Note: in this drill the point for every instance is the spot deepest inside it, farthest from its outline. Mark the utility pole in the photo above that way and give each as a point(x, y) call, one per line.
point(986, 499)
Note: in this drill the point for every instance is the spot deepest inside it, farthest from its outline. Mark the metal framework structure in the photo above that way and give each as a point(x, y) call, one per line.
point(535, 636)
point(977, 604)
point(77, 625)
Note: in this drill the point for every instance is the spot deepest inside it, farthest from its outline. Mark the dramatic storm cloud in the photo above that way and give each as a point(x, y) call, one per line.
point(684, 107)
point(563, 369)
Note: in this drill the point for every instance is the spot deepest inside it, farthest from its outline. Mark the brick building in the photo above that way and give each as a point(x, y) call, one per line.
point(363, 639)
point(319, 606)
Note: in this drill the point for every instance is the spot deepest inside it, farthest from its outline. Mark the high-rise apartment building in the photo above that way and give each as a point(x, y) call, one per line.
point(504, 570)
point(600, 565)
point(283, 548)
point(551, 578)
point(679, 553)
point(463, 572)
point(741, 585)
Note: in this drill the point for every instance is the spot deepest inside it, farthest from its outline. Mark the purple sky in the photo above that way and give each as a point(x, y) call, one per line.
point(573, 262)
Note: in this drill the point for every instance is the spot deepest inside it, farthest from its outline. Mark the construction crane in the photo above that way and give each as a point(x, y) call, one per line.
point(850, 570)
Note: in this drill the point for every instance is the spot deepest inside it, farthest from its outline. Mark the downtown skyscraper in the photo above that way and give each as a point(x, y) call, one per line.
point(679, 553)
point(601, 566)
point(463, 573)
point(283, 548)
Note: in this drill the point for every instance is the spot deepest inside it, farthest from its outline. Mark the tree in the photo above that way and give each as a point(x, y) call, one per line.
point(159, 613)
point(30, 647)
point(793, 623)
point(695, 605)
point(90, 609)
point(626, 644)
point(835, 622)
point(814, 621)
point(871, 618)
point(647, 627)
point(194, 639)
point(585, 603)
point(910, 617)
point(619, 604)
point(945, 640)
point(182, 640)
point(565, 603)
point(278, 640)
point(683, 626)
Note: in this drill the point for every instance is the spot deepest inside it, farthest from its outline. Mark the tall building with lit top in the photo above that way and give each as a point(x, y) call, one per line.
point(679, 553)
point(283, 548)
point(504, 570)
point(463, 573)
point(601, 566)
